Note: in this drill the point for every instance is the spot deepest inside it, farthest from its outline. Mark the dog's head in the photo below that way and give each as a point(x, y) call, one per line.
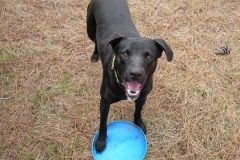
point(136, 60)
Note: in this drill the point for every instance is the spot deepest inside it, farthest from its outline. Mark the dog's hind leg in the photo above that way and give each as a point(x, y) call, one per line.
point(91, 31)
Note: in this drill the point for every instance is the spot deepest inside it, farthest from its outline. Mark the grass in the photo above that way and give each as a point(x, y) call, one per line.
point(49, 89)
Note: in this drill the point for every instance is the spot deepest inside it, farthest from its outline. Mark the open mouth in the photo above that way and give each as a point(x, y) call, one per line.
point(133, 89)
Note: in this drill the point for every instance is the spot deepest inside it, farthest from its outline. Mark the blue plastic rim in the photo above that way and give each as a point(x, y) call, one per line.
point(125, 140)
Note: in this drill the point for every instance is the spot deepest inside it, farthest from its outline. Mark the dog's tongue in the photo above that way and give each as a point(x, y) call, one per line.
point(133, 86)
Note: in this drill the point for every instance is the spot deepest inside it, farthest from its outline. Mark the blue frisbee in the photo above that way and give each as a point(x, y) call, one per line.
point(125, 141)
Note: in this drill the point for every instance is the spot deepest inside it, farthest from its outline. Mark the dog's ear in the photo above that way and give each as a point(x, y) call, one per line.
point(162, 46)
point(114, 39)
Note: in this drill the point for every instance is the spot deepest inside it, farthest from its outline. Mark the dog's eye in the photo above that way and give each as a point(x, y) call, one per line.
point(148, 57)
point(125, 55)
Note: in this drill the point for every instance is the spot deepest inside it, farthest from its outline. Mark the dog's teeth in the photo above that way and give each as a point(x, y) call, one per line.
point(133, 92)
point(130, 92)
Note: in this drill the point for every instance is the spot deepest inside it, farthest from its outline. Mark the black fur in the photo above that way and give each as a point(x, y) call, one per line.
point(110, 26)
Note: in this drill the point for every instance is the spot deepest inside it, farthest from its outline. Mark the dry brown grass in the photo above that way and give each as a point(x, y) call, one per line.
point(49, 89)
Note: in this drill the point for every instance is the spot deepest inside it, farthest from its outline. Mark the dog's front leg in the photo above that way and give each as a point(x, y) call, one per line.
point(101, 140)
point(137, 115)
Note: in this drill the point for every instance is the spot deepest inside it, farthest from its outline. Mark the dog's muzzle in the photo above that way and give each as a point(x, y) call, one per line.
point(133, 89)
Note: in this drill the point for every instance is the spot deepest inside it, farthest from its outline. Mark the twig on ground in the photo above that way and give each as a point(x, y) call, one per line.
point(6, 98)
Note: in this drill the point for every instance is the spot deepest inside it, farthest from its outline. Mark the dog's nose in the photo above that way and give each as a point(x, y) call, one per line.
point(135, 74)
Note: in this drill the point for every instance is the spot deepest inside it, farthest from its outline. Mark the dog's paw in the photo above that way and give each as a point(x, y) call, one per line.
point(140, 124)
point(94, 57)
point(100, 145)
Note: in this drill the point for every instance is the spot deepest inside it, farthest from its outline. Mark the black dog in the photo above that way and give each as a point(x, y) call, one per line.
point(128, 60)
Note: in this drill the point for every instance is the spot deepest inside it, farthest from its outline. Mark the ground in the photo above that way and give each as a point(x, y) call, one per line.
point(49, 89)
